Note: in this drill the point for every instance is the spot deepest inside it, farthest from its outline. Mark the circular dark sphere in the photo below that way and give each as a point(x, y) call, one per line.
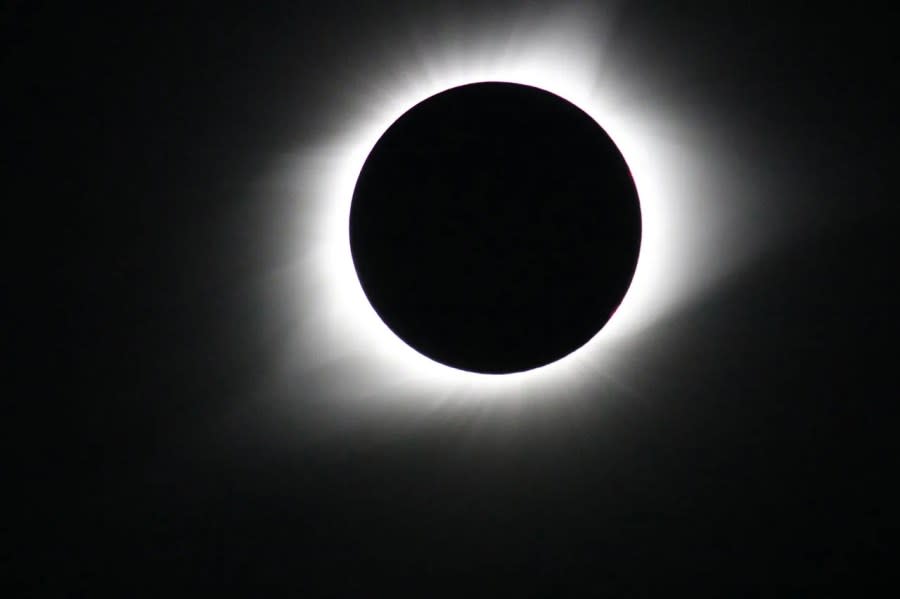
point(495, 227)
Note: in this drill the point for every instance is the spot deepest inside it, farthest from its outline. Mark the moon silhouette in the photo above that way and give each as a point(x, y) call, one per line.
point(495, 227)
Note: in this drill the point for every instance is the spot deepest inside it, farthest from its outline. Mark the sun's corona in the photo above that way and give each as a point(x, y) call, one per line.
point(339, 334)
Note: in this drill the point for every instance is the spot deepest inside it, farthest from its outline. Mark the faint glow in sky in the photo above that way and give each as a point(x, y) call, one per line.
point(339, 340)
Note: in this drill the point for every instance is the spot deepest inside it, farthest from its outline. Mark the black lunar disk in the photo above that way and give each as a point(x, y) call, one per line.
point(495, 227)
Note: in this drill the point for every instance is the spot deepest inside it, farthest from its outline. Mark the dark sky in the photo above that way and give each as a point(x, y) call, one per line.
point(759, 459)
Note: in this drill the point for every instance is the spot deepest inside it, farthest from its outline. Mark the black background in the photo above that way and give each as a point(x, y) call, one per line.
point(763, 459)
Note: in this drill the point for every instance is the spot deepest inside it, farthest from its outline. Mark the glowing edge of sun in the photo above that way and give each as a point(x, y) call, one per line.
point(345, 322)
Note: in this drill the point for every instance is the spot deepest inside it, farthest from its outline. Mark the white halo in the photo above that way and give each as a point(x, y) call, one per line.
point(339, 340)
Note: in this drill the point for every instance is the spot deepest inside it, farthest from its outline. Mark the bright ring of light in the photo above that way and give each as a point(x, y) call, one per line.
point(340, 327)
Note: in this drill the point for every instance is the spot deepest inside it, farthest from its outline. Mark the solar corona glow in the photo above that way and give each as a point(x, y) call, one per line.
point(338, 343)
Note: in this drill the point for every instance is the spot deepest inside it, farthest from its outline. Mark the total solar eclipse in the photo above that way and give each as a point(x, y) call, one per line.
point(495, 227)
